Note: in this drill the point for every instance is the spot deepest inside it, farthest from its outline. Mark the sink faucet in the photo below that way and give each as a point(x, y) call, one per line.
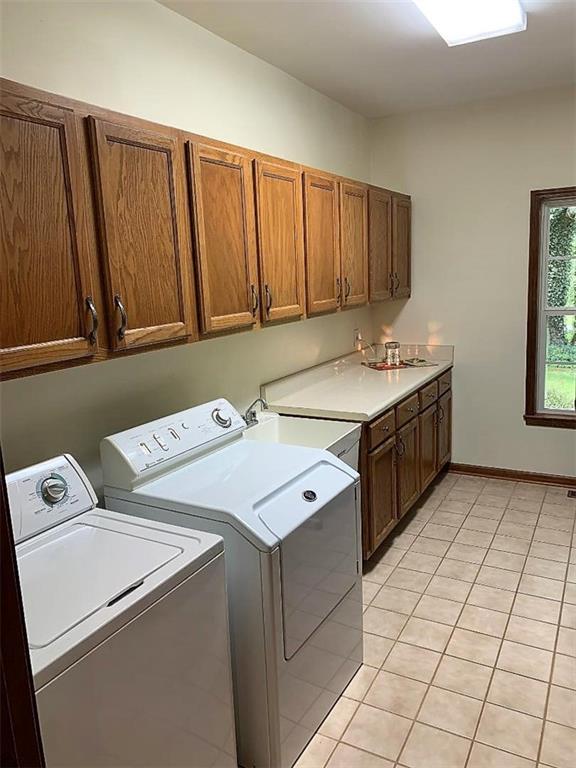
point(360, 345)
point(250, 416)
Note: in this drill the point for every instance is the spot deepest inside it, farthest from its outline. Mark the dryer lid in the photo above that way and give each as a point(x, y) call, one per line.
point(77, 571)
point(298, 500)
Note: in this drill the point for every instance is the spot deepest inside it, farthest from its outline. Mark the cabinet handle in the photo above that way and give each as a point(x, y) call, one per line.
point(348, 288)
point(123, 317)
point(440, 413)
point(338, 291)
point(93, 333)
point(255, 300)
point(385, 428)
point(268, 299)
point(391, 282)
point(400, 444)
point(396, 281)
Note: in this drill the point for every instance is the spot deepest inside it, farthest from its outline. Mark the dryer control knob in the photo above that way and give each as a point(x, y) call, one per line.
point(222, 421)
point(309, 496)
point(53, 489)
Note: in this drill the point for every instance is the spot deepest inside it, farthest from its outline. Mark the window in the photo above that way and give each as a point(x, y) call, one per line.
point(551, 341)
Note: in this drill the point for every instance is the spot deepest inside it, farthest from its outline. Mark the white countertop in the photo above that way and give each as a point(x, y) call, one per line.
point(346, 389)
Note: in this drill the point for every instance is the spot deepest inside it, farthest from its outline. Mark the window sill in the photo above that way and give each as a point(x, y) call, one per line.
point(550, 420)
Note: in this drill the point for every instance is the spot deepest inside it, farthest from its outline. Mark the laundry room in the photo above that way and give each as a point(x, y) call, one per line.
point(288, 383)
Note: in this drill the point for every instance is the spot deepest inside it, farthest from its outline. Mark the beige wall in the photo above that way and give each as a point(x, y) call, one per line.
point(470, 171)
point(141, 58)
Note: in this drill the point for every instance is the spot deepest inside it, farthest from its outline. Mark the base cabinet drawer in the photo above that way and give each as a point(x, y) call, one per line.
point(382, 429)
point(408, 453)
point(428, 395)
point(407, 410)
point(444, 382)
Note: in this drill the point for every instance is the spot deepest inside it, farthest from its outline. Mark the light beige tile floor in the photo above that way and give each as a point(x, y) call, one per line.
point(470, 637)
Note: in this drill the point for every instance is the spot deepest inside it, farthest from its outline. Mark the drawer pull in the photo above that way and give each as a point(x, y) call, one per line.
point(385, 428)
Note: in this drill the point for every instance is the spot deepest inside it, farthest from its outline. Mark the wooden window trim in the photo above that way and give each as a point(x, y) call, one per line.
point(532, 417)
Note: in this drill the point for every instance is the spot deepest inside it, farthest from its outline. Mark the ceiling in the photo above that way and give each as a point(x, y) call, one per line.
point(383, 57)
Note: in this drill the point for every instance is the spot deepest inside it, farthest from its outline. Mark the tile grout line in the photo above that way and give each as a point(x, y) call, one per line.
point(472, 584)
point(442, 653)
point(495, 665)
point(554, 654)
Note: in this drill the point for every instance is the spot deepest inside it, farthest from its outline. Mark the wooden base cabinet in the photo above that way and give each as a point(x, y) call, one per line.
point(382, 490)
point(408, 450)
point(401, 453)
point(444, 429)
point(428, 426)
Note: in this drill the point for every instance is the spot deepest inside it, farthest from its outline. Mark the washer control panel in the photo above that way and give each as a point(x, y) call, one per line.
point(46, 494)
point(138, 452)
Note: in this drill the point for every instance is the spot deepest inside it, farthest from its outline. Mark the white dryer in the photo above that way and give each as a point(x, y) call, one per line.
point(127, 627)
point(290, 520)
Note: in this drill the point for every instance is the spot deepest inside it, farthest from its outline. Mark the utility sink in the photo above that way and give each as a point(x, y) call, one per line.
point(339, 437)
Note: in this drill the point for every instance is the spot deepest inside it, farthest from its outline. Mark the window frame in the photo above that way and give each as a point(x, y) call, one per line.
point(539, 200)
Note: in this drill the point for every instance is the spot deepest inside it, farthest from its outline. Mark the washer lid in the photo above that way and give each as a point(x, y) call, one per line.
point(80, 570)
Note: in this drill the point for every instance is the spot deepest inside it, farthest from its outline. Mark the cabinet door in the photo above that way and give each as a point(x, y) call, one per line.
point(401, 245)
point(380, 244)
point(46, 309)
point(323, 287)
point(382, 491)
point(354, 243)
point(280, 236)
point(428, 446)
point(407, 448)
point(140, 186)
point(444, 429)
point(225, 237)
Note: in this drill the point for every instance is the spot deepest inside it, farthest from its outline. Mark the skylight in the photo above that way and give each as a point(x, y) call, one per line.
point(466, 21)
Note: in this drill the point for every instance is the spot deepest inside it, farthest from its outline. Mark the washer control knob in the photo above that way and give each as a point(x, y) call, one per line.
point(222, 421)
point(53, 489)
point(309, 496)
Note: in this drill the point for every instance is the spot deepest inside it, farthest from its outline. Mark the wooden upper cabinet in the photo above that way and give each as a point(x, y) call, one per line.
point(380, 244)
point(401, 245)
point(46, 307)
point(354, 243)
point(223, 200)
point(280, 240)
point(141, 188)
point(322, 237)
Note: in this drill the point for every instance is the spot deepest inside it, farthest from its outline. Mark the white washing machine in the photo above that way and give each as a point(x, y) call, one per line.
point(127, 626)
point(290, 520)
